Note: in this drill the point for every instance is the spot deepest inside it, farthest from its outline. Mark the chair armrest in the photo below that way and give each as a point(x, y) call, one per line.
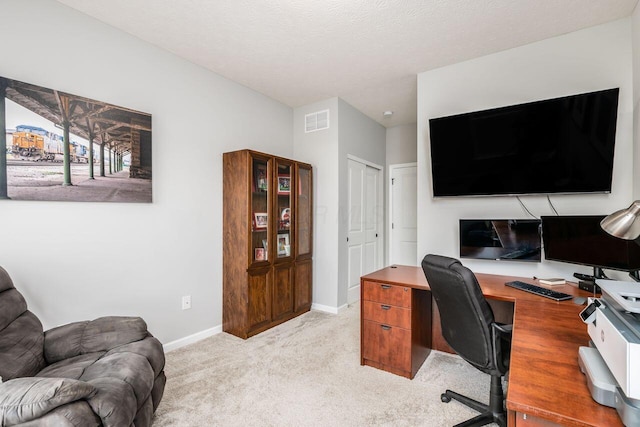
point(102, 334)
point(29, 398)
point(501, 345)
point(504, 330)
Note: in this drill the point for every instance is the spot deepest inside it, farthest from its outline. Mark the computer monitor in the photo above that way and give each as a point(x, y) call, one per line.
point(579, 239)
point(500, 239)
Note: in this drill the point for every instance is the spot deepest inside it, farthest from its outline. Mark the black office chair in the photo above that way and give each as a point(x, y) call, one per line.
point(469, 328)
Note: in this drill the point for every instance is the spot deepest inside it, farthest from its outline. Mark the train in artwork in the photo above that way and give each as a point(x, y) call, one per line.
point(38, 144)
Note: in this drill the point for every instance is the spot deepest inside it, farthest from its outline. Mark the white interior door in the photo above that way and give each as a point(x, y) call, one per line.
point(356, 237)
point(365, 224)
point(373, 211)
point(404, 215)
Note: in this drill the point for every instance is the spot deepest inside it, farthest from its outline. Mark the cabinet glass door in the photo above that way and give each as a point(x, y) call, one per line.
point(260, 210)
point(304, 206)
point(283, 215)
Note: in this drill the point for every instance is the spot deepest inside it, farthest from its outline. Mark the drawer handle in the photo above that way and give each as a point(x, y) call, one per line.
point(385, 307)
point(385, 327)
point(386, 286)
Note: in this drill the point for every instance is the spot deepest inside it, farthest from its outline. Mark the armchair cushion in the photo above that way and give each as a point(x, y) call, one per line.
point(102, 334)
point(24, 399)
point(129, 380)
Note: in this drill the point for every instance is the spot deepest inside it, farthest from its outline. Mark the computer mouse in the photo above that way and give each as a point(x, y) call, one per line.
point(579, 300)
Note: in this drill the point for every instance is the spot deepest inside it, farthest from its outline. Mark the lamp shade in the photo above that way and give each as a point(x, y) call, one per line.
point(624, 223)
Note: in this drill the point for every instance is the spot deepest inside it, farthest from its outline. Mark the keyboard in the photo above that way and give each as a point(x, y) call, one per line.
point(539, 290)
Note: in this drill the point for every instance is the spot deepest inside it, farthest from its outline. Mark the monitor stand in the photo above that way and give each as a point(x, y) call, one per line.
point(598, 273)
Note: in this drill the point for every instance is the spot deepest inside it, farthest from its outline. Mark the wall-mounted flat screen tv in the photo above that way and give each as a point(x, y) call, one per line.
point(500, 239)
point(562, 145)
point(580, 240)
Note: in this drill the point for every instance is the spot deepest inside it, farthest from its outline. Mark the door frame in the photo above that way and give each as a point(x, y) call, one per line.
point(390, 204)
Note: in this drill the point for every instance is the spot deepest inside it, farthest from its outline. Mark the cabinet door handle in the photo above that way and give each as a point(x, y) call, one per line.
point(385, 307)
point(385, 327)
point(386, 286)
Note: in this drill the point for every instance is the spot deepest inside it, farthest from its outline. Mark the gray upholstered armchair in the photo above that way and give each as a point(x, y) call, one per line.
point(105, 372)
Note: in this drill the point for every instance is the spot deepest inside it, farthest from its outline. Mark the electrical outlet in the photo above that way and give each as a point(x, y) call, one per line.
point(186, 302)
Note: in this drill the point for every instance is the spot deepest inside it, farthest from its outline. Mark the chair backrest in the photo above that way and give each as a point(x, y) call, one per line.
point(21, 334)
point(465, 315)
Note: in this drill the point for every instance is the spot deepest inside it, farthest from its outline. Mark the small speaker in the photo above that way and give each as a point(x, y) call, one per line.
point(589, 286)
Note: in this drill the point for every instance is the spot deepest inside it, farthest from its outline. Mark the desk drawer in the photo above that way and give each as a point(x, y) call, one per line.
point(387, 294)
point(387, 314)
point(388, 345)
point(524, 420)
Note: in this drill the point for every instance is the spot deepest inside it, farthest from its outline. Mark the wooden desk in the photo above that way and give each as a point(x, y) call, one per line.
point(545, 385)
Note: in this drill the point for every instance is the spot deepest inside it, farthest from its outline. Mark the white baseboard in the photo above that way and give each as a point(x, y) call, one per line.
point(353, 294)
point(173, 345)
point(343, 308)
point(328, 309)
point(181, 342)
point(325, 308)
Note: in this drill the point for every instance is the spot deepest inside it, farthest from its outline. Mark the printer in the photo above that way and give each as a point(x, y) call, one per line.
point(611, 363)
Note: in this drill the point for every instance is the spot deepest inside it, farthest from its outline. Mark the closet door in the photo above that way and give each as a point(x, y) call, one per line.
point(365, 224)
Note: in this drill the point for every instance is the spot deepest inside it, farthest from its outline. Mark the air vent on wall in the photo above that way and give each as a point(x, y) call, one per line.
point(316, 121)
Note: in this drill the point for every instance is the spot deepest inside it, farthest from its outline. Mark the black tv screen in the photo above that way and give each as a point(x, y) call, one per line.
point(562, 145)
point(500, 239)
point(581, 240)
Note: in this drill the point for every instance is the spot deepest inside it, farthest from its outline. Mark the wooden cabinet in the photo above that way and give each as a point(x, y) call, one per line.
point(396, 327)
point(267, 241)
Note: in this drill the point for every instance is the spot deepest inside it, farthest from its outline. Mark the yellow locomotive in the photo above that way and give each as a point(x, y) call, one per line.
point(36, 143)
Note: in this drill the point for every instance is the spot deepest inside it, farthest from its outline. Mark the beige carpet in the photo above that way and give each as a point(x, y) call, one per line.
point(307, 372)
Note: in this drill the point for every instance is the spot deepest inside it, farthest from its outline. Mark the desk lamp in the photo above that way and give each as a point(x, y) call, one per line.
point(624, 223)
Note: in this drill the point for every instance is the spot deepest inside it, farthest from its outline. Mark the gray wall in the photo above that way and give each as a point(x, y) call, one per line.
point(402, 144)
point(320, 149)
point(82, 260)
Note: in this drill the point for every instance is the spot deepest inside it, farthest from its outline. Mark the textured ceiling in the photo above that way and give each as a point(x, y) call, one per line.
point(366, 52)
